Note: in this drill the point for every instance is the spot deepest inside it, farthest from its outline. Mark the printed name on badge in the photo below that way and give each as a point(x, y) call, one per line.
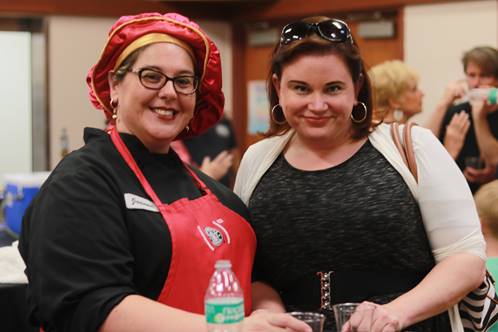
point(135, 202)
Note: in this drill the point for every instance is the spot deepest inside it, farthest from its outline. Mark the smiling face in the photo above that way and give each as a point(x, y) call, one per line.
point(317, 95)
point(156, 117)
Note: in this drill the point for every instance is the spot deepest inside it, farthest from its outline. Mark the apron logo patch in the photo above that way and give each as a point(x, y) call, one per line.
point(214, 236)
point(134, 202)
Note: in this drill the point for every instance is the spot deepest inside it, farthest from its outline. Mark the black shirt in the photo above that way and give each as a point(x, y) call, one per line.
point(84, 249)
point(357, 219)
point(470, 147)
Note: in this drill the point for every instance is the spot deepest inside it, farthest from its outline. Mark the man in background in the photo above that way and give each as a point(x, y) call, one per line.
point(478, 157)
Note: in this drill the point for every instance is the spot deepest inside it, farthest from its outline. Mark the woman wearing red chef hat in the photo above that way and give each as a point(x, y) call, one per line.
point(123, 236)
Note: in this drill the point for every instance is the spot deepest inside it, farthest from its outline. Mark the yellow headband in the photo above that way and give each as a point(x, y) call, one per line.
point(150, 39)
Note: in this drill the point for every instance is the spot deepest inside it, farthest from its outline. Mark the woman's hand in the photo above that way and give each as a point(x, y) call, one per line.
point(483, 175)
point(481, 108)
point(455, 134)
point(219, 166)
point(267, 321)
point(453, 91)
point(373, 318)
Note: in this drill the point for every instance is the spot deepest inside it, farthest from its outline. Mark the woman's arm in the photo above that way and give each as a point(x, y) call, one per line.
point(453, 91)
point(453, 229)
point(74, 227)
point(446, 284)
point(436, 118)
point(488, 144)
point(265, 297)
point(137, 313)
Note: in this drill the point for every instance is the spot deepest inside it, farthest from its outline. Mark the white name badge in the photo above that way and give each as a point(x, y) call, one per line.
point(134, 202)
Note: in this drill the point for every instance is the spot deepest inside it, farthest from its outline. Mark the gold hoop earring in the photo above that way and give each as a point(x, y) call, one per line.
point(114, 106)
point(364, 110)
point(274, 117)
point(114, 103)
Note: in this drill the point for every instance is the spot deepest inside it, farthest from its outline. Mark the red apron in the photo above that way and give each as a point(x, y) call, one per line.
point(203, 231)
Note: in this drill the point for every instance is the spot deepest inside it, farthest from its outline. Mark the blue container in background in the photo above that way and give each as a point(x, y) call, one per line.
point(20, 189)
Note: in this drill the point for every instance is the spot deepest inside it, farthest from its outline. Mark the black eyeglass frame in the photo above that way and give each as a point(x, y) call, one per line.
point(167, 79)
point(340, 27)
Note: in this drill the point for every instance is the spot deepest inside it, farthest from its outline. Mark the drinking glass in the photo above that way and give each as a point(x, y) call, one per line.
point(313, 319)
point(342, 313)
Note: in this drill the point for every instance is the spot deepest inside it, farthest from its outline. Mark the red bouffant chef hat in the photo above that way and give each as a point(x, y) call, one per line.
point(128, 29)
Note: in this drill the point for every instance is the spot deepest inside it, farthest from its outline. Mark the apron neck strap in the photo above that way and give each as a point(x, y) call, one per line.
point(127, 156)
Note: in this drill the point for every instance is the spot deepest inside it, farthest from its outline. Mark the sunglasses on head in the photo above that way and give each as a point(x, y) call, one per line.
point(333, 30)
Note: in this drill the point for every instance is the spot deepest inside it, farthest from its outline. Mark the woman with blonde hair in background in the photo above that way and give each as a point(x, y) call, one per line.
point(397, 98)
point(396, 94)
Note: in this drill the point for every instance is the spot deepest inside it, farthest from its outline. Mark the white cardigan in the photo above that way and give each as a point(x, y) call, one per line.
point(446, 203)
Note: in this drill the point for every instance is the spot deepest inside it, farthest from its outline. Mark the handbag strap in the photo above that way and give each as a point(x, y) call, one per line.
point(493, 298)
point(405, 147)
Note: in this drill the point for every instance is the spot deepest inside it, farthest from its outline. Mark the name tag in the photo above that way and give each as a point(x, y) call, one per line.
point(134, 202)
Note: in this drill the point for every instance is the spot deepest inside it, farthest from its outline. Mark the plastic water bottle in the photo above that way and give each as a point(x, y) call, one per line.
point(224, 300)
point(488, 94)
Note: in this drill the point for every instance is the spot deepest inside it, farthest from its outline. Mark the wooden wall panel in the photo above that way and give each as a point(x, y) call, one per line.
point(218, 10)
point(298, 8)
point(375, 51)
point(239, 97)
point(232, 11)
point(81, 7)
point(256, 68)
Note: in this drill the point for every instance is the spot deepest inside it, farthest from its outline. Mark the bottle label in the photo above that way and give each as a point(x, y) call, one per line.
point(492, 97)
point(224, 313)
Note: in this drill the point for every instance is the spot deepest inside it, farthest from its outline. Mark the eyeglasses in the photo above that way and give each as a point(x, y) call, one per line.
point(333, 30)
point(155, 80)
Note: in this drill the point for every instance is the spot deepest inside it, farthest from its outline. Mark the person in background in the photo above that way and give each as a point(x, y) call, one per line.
point(337, 214)
point(213, 152)
point(486, 199)
point(397, 97)
point(216, 168)
point(483, 113)
point(218, 143)
point(123, 236)
point(480, 65)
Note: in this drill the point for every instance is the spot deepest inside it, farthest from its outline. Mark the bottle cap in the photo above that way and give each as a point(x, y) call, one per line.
point(492, 96)
point(223, 263)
